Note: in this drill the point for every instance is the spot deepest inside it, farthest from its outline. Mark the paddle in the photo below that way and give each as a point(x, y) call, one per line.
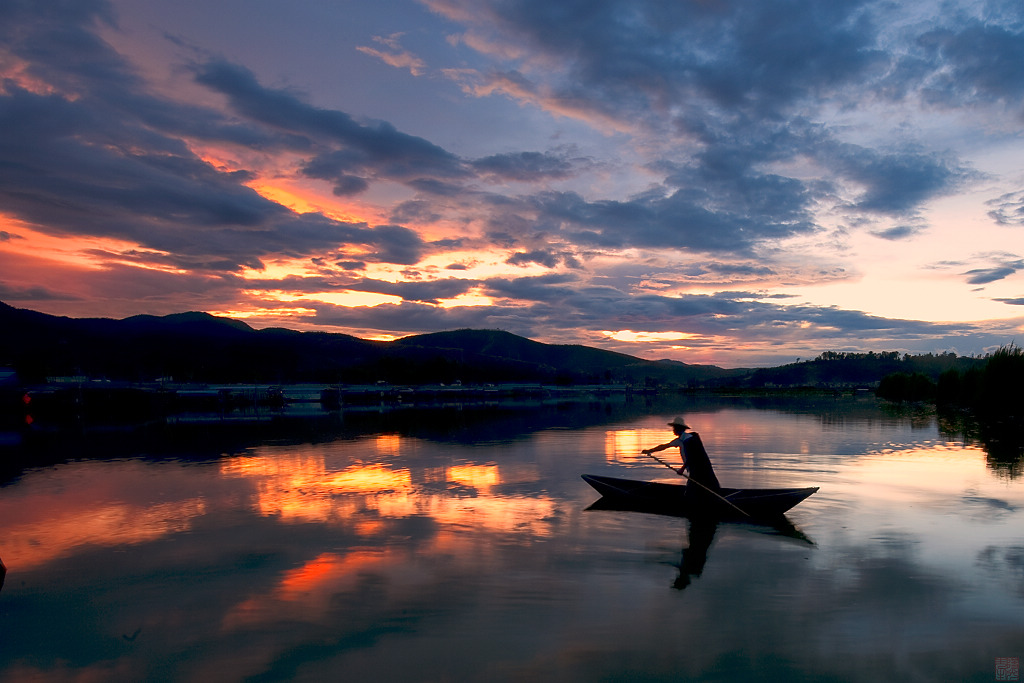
point(711, 491)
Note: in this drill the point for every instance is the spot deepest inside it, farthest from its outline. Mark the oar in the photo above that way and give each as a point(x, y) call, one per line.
point(711, 491)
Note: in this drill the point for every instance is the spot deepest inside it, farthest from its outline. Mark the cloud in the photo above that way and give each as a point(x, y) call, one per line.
point(897, 182)
point(741, 81)
point(1003, 265)
point(895, 233)
point(431, 292)
point(349, 147)
point(1009, 209)
point(725, 133)
point(108, 159)
point(525, 166)
point(686, 219)
point(396, 56)
point(983, 276)
point(30, 294)
point(648, 56)
point(967, 73)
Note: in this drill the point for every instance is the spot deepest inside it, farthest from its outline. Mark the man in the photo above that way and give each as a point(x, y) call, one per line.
point(695, 459)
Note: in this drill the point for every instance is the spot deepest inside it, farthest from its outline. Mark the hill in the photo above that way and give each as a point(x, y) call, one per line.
point(199, 347)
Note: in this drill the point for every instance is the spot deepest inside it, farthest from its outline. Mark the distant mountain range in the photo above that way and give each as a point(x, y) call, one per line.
point(198, 347)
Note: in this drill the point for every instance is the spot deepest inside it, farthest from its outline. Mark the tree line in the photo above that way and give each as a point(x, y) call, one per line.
point(992, 388)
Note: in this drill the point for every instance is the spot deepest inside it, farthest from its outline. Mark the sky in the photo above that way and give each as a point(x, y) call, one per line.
point(731, 182)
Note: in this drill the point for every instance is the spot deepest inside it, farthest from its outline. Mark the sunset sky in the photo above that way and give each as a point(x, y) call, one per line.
point(735, 182)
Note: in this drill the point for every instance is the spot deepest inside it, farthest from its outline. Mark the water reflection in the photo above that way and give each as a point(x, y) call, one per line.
point(457, 547)
point(700, 534)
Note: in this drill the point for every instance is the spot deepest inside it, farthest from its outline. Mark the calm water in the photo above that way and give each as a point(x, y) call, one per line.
point(452, 545)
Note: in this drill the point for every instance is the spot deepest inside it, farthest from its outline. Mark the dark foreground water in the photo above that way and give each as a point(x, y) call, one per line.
point(450, 545)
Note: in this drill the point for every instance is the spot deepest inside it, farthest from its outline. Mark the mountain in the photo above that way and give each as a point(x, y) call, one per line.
point(199, 347)
point(204, 348)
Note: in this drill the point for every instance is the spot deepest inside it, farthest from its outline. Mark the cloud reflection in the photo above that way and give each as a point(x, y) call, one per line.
point(400, 557)
point(56, 514)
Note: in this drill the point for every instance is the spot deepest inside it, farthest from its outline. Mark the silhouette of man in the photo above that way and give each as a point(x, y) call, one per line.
point(696, 462)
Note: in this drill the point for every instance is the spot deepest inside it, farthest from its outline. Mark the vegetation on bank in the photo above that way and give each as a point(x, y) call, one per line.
point(842, 370)
point(992, 388)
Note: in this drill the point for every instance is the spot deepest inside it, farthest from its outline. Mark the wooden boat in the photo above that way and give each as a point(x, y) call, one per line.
point(671, 499)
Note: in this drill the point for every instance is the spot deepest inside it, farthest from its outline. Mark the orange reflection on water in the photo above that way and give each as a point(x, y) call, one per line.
point(368, 499)
point(52, 513)
point(624, 445)
point(324, 569)
point(30, 545)
point(387, 444)
point(898, 474)
point(481, 477)
point(299, 487)
point(304, 593)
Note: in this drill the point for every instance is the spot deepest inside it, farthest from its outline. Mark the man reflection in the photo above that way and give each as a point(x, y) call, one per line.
point(701, 533)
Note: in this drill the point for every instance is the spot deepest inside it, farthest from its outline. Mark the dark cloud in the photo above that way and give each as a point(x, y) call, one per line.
point(895, 233)
point(351, 148)
point(896, 182)
point(549, 258)
point(416, 211)
point(732, 103)
point(743, 81)
point(1009, 209)
point(539, 257)
point(426, 291)
point(983, 276)
point(547, 288)
point(975, 61)
point(741, 269)
point(415, 318)
point(644, 56)
point(431, 291)
point(687, 219)
point(32, 294)
point(526, 166)
point(107, 159)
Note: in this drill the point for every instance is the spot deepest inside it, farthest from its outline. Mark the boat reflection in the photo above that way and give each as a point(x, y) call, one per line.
point(700, 533)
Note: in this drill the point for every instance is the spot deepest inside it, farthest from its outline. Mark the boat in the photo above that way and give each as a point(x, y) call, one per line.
point(670, 499)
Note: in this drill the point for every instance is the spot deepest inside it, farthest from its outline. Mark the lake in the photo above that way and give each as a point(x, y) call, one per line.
point(456, 544)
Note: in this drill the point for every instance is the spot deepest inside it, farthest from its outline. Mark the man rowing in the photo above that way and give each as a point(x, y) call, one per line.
point(701, 475)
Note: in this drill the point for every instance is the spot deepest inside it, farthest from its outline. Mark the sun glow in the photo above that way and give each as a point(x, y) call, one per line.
point(249, 314)
point(471, 298)
point(352, 298)
point(631, 336)
point(301, 198)
point(89, 252)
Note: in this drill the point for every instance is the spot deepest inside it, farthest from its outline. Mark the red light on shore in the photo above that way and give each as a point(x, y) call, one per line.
point(26, 399)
